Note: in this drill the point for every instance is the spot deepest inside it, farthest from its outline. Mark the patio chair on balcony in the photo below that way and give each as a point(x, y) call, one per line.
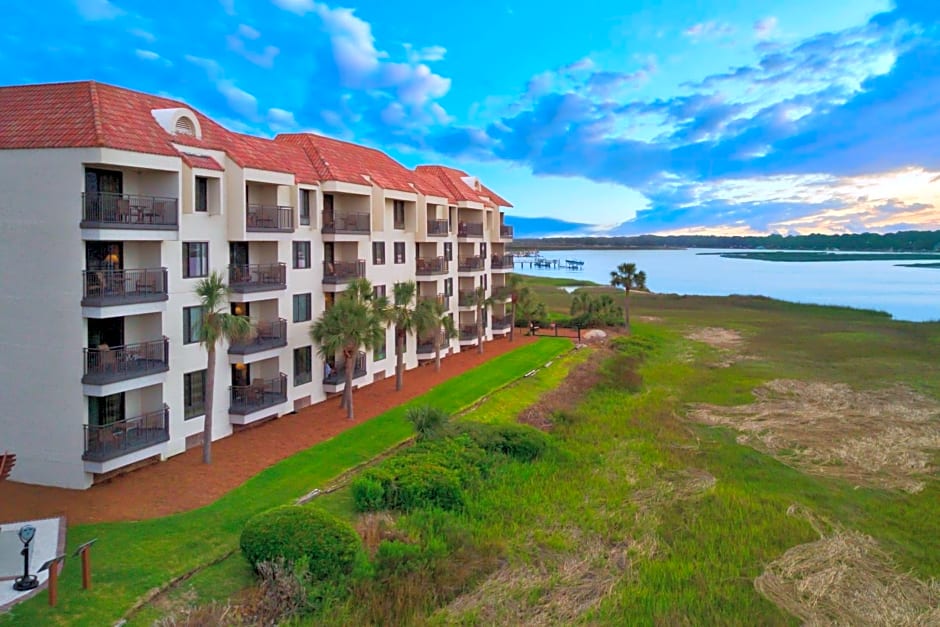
point(123, 206)
point(146, 284)
point(265, 331)
point(256, 391)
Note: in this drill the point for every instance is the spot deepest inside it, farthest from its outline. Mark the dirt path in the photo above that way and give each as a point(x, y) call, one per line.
point(183, 483)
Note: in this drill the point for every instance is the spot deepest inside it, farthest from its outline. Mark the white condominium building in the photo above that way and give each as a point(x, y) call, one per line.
point(115, 203)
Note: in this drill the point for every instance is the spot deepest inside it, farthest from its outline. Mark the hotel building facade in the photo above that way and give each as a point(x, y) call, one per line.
point(115, 203)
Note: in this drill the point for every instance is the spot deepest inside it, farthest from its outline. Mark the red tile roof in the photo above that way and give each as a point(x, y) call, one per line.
point(91, 114)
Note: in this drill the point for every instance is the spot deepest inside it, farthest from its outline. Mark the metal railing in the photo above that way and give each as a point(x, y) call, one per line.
point(441, 299)
point(426, 346)
point(257, 277)
point(470, 229)
point(129, 211)
point(105, 442)
point(343, 271)
point(270, 218)
point(266, 334)
point(502, 323)
point(470, 264)
point(502, 262)
point(468, 332)
point(434, 265)
point(466, 299)
point(337, 374)
point(505, 232)
point(438, 228)
point(106, 364)
point(352, 222)
point(260, 394)
point(123, 287)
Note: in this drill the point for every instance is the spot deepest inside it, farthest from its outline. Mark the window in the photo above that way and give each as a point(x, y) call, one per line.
point(195, 259)
point(192, 323)
point(202, 194)
point(185, 126)
point(483, 282)
point(378, 253)
point(398, 207)
point(378, 291)
point(448, 287)
point(301, 307)
point(194, 394)
point(301, 254)
point(448, 251)
point(305, 206)
point(483, 250)
point(379, 352)
point(399, 252)
point(303, 368)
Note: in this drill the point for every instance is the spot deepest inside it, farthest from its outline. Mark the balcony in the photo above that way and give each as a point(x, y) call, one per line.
point(501, 324)
point(466, 299)
point(257, 277)
point(470, 229)
point(335, 272)
point(337, 375)
point(349, 223)
point(261, 394)
point(104, 288)
point(440, 299)
point(468, 333)
point(426, 347)
point(505, 232)
point(270, 219)
point(470, 264)
point(438, 228)
point(502, 262)
point(434, 265)
point(268, 334)
point(107, 442)
point(104, 364)
point(103, 210)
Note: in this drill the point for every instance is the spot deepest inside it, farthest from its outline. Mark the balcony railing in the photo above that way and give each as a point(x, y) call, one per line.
point(502, 262)
point(104, 364)
point(106, 442)
point(470, 264)
point(355, 223)
point(434, 265)
point(468, 332)
point(441, 299)
point(126, 211)
point(102, 288)
point(277, 218)
point(426, 346)
point(266, 335)
point(438, 228)
point(470, 229)
point(500, 324)
point(337, 374)
point(261, 394)
point(343, 271)
point(466, 299)
point(257, 277)
point(505, 232)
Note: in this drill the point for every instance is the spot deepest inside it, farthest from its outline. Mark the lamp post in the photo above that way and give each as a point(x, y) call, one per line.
point(27, 581)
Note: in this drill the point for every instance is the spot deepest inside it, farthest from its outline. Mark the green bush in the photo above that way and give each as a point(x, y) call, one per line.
point(291, 533)
point(518, 441)
point(428, 421)
point(637, 347)
point(368, 493)
point(394, 558)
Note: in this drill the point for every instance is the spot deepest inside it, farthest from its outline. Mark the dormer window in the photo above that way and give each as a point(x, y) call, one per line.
point(185, 126)
point(179, 121)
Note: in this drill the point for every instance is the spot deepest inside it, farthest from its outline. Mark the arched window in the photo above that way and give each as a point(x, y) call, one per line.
point(185, 126)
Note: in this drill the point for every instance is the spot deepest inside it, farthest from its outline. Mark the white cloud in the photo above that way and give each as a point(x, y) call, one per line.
point(145, 35)
point(766, 28)
point(430, 53)
point(94, 10)
point(265, 58)
point(281, 119)
point(708, 30)
point(239, 99)
point(248, 32)
point(149, 55)
point(299, 7)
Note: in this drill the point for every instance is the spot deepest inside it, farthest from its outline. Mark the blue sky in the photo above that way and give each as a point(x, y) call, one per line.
point(686, 116)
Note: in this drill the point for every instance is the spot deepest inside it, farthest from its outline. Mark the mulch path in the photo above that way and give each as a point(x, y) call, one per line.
point(183, 483)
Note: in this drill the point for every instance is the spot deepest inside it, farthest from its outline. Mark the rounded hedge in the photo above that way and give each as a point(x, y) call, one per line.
point(292, 532)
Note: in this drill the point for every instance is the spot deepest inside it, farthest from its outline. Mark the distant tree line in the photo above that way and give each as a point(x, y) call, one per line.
point(907, 241)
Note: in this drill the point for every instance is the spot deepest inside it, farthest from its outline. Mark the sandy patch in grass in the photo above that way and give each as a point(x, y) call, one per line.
point(728, 342)
point(845, 578)
point(566, 396)
point(882, 438)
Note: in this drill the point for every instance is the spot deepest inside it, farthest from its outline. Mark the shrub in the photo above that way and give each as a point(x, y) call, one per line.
point(427, 421)
point(633, 346)
point(397, 558)
point(518, 441)
point(290, 533)
point(368, 493)
point(420, 484)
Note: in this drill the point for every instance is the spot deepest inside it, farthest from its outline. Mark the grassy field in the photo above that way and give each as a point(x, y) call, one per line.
point(132, 558)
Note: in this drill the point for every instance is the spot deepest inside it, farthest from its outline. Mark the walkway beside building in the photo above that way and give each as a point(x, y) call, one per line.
point(182, 483)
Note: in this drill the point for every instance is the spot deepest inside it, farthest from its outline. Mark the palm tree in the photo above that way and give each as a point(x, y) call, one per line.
point(581, 303)
point(402, 315)
point(481, 302)
point(626, 276)
point(431, 317)
point(216, 324)
point(355, 321)
point(515, 289)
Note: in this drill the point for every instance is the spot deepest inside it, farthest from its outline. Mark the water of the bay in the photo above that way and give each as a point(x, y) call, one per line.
point(905, 293)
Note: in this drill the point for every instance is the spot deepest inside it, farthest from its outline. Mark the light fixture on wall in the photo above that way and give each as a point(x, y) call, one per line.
point(112, 259)
point(239, 310)
point(239, 366)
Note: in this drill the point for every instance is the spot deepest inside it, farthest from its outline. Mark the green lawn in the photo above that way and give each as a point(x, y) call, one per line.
point(133, 558)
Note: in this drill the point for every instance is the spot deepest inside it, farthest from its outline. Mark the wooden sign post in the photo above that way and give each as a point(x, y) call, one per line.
point(53, 567)
point(84, 550)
